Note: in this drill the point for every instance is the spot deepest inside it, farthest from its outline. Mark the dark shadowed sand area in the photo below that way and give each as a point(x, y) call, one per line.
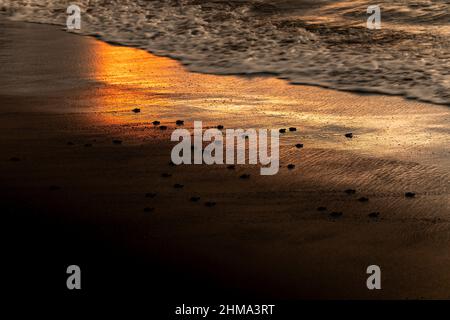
point(72, 196)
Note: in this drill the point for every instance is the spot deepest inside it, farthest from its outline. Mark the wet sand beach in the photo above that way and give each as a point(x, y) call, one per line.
point(73, 196)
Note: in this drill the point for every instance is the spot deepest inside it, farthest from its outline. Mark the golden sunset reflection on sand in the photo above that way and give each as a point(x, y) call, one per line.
point(165, 91)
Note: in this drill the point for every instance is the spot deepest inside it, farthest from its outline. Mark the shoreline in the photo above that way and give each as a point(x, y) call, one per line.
point(160, 53)
point(265, 237)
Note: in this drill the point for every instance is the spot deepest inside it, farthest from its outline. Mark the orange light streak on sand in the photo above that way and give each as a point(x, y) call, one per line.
point(164, 90)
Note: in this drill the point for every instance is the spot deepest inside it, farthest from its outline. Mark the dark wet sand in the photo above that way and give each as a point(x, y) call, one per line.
point(76, 204)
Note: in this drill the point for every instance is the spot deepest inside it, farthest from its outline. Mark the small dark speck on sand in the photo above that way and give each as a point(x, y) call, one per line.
point(349, 135)
point(321, 208)
point(210, 204)
point(410, 194)
point(178, 186)
point(282, 130)
point(292, 129)
point(220, 127)
point(54, 188)
point(179, 122)
point(156, 123)
point(363, 199)
point(374, 215)
point(350, 191)
point(166, 175)
point(70, 143)
point(163, 127)
point(88, 145)
point(14, 159)
point(117, 141)
point(194, 199)
point(136, 110)
point(299, 145)
point(231, 167)
point(245, 176)
point(335, 214)
point(291, 166)
point(149, 209)
point(150, 194)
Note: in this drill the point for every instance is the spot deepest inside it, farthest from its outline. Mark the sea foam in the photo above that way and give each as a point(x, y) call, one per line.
point(306, 42)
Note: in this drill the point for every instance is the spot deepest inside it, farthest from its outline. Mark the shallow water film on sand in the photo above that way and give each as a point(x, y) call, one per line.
point(309, 42)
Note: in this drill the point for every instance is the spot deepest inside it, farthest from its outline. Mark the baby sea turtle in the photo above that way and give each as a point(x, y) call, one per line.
point(336, 214)
point(210, 204)
point(374, 215)
point(150, 194)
